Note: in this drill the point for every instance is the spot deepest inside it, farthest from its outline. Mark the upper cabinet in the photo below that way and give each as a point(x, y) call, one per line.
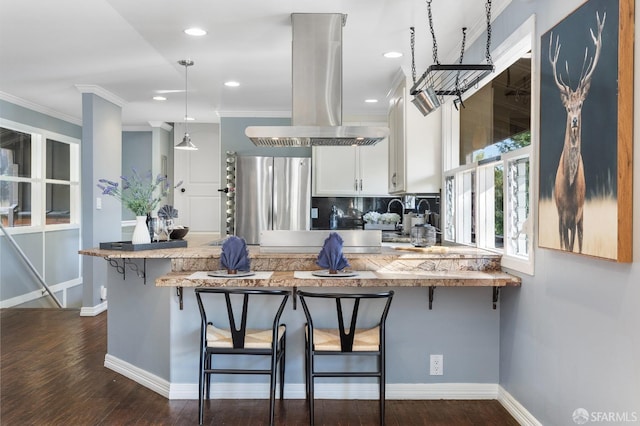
point(415, 144)
point(343, 171)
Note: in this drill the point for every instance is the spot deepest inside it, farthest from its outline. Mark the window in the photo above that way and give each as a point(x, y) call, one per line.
point(487, 183)
point(26, 199)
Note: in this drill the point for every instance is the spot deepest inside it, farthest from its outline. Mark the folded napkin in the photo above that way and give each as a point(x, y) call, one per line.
point(234, 255)
point(331, 257)
point(167, 212)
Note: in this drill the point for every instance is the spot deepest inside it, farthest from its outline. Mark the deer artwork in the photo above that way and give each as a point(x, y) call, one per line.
point(570, 188)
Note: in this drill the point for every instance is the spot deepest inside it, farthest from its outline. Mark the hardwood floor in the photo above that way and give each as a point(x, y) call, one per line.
point(52, 373)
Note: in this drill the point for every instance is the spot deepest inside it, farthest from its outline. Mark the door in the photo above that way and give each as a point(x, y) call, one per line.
point(254, 197)
point(198, 199)
point(291, 193)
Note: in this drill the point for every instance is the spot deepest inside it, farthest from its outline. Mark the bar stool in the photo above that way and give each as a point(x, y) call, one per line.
point(228, 339)
point(343, 341)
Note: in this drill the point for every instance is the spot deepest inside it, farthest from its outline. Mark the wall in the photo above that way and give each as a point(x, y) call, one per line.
point(136, 154)
point(569, 336)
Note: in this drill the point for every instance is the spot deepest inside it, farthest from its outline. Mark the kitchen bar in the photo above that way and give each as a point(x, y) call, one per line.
point(153, 329)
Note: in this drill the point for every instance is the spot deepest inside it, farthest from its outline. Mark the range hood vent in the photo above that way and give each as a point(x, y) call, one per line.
point(317, 90)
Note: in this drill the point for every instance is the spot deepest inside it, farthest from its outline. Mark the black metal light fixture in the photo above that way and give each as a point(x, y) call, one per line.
point(447, 80)
point(186, 143)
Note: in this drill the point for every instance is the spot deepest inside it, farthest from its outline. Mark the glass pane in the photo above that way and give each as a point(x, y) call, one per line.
point(449, 222)
point(498, 178)
point(496, 119)
point(58, 203)
point(467, 209)
point(15, 153)
point(15, 203)
point(58, 160)
point(518, 188)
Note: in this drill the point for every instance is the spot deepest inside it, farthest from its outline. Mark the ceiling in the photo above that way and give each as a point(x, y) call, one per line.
point(131, 49)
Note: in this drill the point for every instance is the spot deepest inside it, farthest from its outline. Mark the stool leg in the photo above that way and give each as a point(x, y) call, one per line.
point(382, 386)
point(310, 378)
point(283, 364)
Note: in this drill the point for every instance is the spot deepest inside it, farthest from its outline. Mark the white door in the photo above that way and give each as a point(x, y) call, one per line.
point(198, 199)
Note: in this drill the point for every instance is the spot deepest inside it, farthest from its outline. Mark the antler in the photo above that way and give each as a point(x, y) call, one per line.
point(553, 58)
point(585, 79)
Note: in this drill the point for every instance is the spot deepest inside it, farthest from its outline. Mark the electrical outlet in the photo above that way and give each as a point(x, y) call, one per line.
point(436, 365)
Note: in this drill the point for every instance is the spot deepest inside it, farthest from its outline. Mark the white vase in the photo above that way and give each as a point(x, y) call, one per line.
point(141, 232)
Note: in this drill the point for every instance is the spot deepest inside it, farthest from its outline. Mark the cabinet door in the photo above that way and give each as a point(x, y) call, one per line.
point(373, 167)
point(334, 171)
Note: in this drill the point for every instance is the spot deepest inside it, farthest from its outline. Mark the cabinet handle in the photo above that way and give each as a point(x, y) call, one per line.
point(393, 179)
point(355, 184)
point(360, 184)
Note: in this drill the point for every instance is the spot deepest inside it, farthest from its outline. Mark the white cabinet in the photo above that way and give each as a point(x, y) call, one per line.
point(350, 171)
point(415, 145)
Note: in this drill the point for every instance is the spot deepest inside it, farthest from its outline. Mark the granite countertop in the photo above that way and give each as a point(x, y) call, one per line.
point(380, 278)
point(398, 264)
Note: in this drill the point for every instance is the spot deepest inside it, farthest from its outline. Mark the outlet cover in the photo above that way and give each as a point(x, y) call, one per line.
point(436, 365)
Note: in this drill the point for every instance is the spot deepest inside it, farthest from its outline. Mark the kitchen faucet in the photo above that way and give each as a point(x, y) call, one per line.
point(396, 200)
point(428, 209)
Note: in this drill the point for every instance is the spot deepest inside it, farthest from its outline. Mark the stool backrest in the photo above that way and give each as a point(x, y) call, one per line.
point(347, 334)
point(238, 333)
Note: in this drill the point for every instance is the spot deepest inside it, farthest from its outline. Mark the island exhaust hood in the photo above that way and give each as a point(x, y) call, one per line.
point(317, 90)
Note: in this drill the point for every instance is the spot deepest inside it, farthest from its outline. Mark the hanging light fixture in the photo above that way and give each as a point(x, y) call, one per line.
point(186, 143)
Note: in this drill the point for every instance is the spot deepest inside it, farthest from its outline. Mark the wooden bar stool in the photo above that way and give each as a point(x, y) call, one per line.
point(229, 339)
point(345, 340)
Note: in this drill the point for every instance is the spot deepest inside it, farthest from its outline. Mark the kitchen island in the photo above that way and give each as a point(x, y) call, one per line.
point(153, 323)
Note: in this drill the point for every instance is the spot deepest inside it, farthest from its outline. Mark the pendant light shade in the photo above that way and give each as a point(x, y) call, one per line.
point(186, 143)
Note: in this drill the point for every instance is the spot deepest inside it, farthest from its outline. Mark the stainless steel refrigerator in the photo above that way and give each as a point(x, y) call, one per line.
point(272, 193)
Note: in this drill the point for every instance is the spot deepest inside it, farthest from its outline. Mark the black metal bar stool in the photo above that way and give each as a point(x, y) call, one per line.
point(345, 340)
point(229, 339)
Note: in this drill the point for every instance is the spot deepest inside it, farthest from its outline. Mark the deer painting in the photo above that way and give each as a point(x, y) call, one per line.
point(570, 188)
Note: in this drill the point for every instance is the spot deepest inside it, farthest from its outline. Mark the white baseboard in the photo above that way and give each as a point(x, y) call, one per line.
point(297, 390)
point(92, 311)
point(143, 377)
point(395, 391)
point(517, 410)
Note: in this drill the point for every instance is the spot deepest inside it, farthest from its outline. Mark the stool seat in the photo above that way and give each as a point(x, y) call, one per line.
point(363, 340)
point(253, 339)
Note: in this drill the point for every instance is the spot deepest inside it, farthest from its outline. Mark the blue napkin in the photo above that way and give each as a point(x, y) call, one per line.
point(234, 255)
point(331, 257)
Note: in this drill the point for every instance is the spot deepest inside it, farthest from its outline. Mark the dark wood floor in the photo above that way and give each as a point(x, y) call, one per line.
point(52, 373)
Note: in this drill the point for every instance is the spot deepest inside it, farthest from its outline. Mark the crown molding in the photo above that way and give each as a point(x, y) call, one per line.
point(39, 108)
point(103, 93)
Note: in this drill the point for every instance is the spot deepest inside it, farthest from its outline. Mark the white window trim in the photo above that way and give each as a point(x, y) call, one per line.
point(520, 41)
point(38, 183)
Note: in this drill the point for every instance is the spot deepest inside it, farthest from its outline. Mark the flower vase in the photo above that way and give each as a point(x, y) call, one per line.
point(141, 232)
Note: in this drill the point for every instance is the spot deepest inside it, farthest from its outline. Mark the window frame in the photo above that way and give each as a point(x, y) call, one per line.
point(519, 43)
point(39, 181)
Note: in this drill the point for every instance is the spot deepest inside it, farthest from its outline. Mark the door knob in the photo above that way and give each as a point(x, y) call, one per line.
point(183, 190)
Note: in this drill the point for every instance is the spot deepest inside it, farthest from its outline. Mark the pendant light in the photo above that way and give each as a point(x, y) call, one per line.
point(186, 143)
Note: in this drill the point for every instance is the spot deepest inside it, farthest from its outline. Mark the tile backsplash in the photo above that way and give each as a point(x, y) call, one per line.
point(351, 209)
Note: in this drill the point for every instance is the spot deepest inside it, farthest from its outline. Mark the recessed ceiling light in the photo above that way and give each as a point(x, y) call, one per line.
point(393, 55)
point(232, 84)
point(159, 98)
point(371, 101)
point(195, 32)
